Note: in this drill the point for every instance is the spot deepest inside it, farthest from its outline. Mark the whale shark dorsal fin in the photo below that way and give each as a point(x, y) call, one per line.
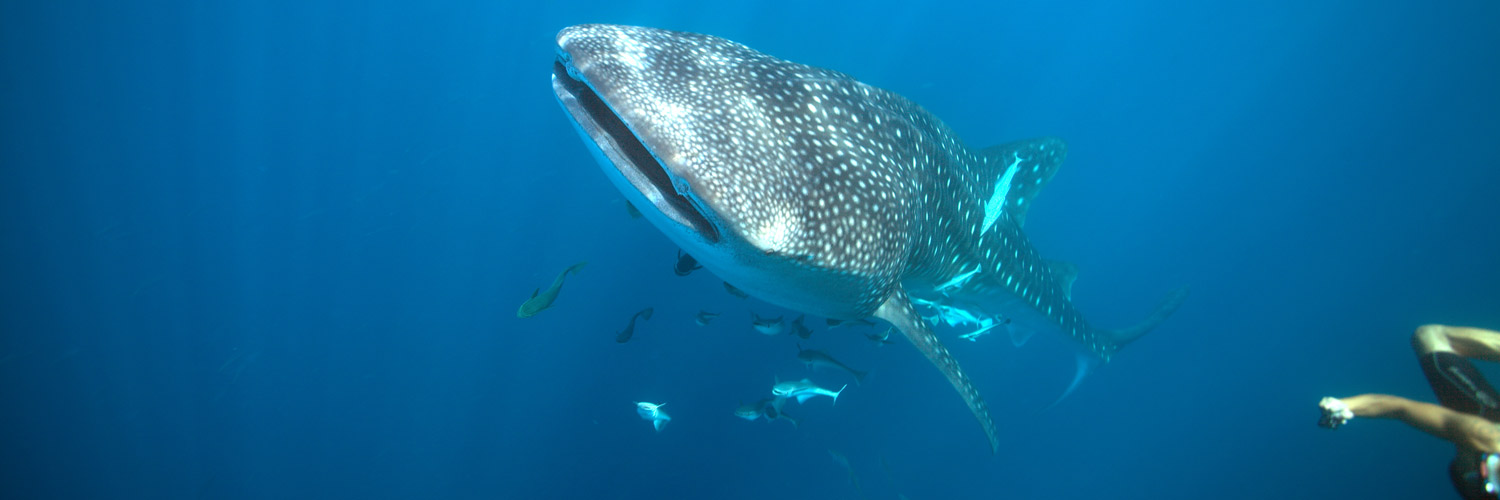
point(1065, 273)
point(534, 294)
point(898, 310)
point(1019, 170)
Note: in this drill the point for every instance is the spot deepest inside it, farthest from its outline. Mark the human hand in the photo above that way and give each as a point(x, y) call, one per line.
point(1335, 413)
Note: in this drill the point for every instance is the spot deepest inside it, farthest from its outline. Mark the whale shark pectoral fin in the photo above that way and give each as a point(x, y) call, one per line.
point(802, 398)
point(898, 310)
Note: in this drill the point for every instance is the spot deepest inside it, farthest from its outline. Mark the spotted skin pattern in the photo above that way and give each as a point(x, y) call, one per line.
point(815, 191)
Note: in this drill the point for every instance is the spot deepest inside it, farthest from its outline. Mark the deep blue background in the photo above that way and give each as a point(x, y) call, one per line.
point(273, 251)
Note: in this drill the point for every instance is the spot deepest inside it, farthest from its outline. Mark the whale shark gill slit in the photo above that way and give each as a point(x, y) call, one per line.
point(628, 153)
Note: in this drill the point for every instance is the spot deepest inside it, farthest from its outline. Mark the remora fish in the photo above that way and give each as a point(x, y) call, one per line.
point(814, 357)
point(542, 299)
point(804, 390)
point(654, 413)
point(685, 264)
point(704, 317)
point(820, 193)
point(767, 326)
point(770, 408)
point(835, 323)
point(842, 460)
point(629, 331)
point(735, 291)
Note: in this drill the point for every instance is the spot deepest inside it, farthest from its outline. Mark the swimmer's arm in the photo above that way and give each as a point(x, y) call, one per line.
point(1462, 429)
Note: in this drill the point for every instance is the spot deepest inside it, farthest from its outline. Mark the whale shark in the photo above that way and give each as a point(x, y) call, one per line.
point(817, 192)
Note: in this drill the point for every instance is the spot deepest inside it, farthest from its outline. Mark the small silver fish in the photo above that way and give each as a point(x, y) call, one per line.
point(654, 413)
point(704, 317)
point(769, 408)
point(803, 390)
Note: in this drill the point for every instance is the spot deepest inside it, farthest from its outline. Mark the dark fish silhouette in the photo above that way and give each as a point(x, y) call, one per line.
point(814, 357)
point(768, 326)
point(686, 264)
point(704, 317)
point(768, 408)
point(624, 336)
point(542, 299)
point(799, 329)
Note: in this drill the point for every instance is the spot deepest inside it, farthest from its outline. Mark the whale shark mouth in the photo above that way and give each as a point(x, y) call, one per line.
point(626, 150)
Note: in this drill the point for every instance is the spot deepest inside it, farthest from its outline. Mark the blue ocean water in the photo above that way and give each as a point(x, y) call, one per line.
point(274, 250)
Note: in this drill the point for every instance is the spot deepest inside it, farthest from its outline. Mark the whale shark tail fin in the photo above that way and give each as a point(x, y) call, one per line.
point(1168, 305)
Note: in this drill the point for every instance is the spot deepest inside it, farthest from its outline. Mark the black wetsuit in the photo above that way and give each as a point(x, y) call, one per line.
point(1460, 387)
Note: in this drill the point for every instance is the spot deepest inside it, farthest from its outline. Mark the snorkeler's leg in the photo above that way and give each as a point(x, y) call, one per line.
point(1462, 429)
point(1469, 342)
point(1441, 350)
